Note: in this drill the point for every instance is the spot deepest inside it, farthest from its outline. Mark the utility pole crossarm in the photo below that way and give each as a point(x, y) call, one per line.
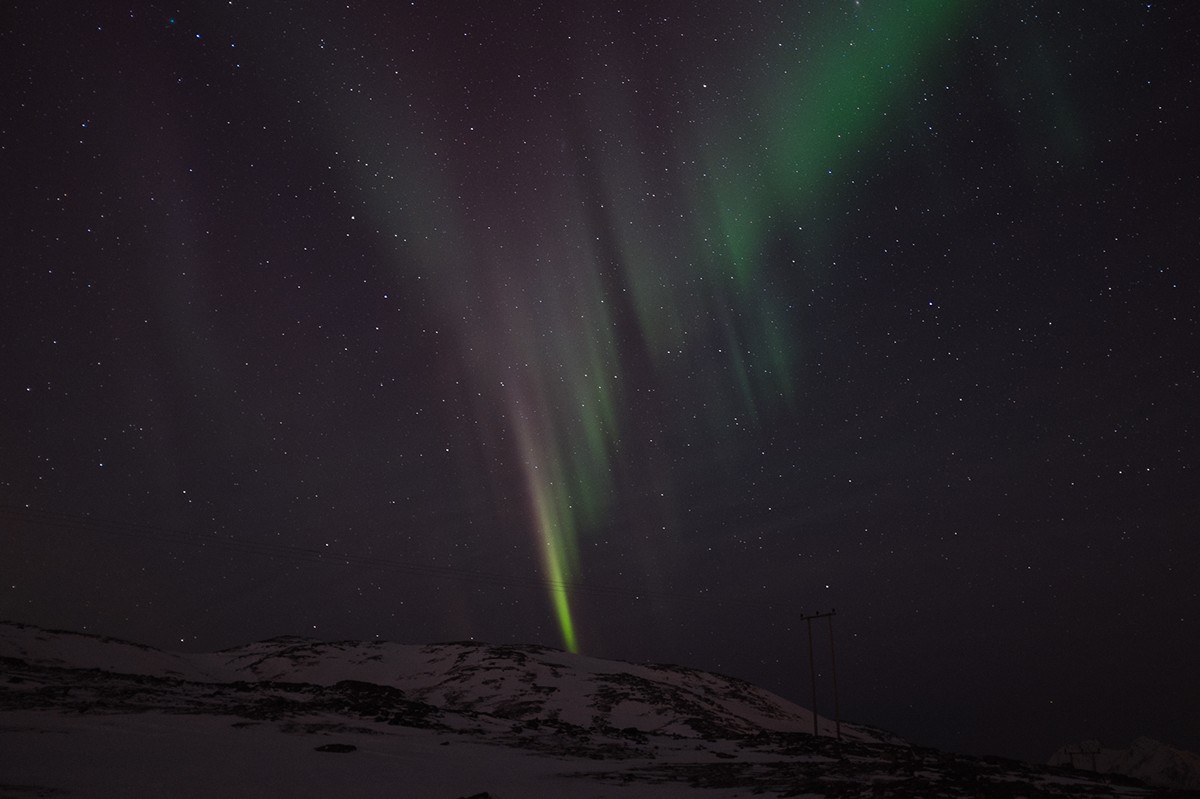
point(806, 617)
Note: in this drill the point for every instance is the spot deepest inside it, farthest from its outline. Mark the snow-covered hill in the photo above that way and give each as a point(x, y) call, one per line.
point(95, 716)
point(519, 683)
point(532, 682)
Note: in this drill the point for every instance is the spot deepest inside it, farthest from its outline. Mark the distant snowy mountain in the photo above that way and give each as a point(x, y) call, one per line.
point(525, 683)
point(1146, 759)
point(95, 716)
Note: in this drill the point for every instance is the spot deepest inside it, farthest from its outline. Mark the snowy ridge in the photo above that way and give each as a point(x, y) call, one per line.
point(509, 682)
point(89, 715)
point(533, 682)
point(83, 650)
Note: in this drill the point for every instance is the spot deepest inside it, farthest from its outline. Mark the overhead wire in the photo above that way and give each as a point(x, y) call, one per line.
point(147, 532)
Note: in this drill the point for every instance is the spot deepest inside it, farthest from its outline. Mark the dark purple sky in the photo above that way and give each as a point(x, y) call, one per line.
point(636, 329)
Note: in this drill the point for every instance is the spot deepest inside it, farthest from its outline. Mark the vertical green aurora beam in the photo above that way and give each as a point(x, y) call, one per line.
point(554, 520)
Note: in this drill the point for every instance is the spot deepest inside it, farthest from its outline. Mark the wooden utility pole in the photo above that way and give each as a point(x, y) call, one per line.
point(837, 711)
point(812, 670)
point(812, 673)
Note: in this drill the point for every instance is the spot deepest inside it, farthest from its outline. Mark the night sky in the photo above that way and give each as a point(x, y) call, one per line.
point(637, 329)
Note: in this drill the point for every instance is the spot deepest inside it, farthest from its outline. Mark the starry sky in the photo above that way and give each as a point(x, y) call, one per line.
point(636, 329)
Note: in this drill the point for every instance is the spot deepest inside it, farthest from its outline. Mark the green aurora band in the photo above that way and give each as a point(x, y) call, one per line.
point(549, 277)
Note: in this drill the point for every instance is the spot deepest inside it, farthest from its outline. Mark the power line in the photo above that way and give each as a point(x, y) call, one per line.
point(146, 532)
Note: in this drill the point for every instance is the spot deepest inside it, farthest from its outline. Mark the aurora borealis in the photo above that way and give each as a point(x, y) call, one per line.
point(637, 330)
point(653, 247)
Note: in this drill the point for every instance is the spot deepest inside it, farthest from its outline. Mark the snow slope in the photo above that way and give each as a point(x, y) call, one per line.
point(92, 716)
point(531, 682)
